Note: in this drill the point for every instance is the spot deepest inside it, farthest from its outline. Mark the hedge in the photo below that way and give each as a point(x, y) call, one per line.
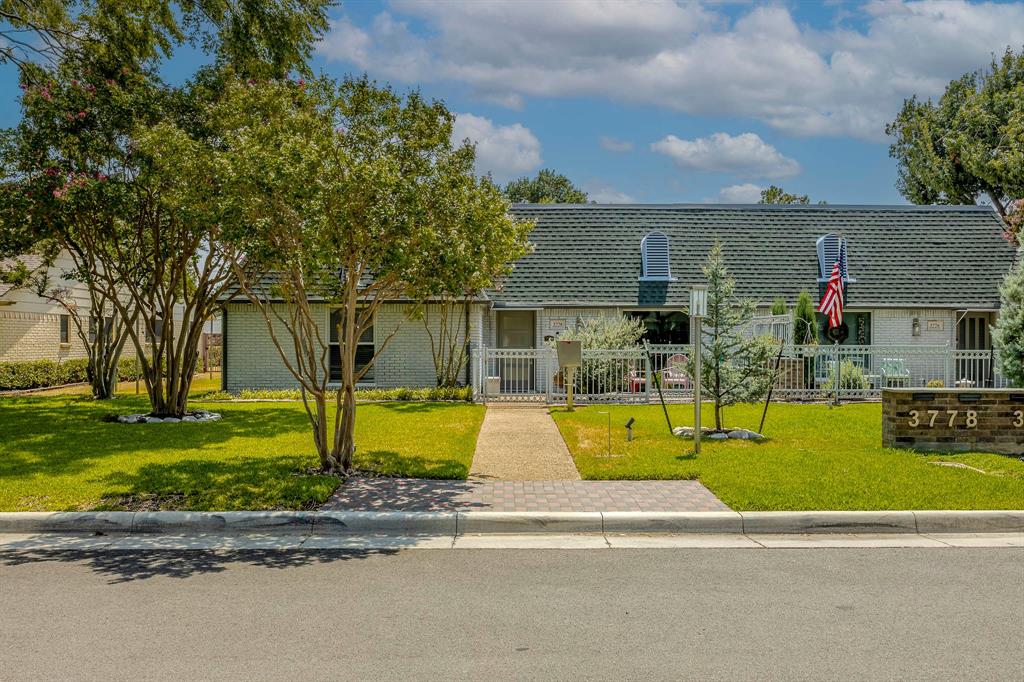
point(436, 394)
point(19, 376)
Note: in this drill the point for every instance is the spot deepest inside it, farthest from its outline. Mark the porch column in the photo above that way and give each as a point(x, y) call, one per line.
point(475, 334)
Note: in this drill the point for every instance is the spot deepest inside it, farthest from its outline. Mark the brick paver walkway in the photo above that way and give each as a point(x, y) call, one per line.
point(405, 494)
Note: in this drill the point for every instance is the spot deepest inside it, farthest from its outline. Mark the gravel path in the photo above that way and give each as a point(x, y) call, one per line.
point(521, 444)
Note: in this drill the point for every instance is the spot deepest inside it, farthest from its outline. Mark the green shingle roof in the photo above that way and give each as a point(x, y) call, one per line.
point(899, 256)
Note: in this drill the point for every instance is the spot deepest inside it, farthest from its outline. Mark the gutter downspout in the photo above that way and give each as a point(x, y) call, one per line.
point(224, 349)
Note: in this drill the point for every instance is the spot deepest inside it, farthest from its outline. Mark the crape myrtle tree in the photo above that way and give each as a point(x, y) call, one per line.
point(341, 196)
point(255, 36)
point(472, 251)
point(736, 366)
point(967, 145)
point(60, 181)
point(154, 244)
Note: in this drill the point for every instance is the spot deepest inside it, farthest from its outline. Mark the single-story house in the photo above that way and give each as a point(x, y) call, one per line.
point(916, 275)
point(34, 327)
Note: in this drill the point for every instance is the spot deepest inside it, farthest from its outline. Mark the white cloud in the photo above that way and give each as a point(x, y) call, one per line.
point(604, 193)
point(613, 144)
point(746, 155)
point(747, 193)
point(503, 150)
point(689, 58)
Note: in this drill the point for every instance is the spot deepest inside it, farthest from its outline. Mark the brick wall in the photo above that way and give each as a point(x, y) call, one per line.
point(987, 420)
point(896, 327)
point(254, 362)
point(35, 336)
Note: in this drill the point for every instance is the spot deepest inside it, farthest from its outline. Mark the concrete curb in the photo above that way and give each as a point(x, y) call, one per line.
point(487, 522)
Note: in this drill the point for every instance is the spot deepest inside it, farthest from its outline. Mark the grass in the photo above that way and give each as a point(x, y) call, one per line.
point(815, 458)
point(57, 453)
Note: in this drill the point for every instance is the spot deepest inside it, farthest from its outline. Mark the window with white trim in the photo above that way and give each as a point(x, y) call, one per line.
point(364, 348)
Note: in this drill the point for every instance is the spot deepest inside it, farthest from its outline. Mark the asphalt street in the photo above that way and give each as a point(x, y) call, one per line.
point(615, 614)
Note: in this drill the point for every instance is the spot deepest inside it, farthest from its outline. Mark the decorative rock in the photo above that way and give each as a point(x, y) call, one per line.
point(718, 436)
point(198, 416)
point(683, 431)
point(744, 434)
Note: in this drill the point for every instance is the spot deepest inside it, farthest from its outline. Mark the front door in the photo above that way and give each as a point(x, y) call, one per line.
point(974, 366)
point(517, 331)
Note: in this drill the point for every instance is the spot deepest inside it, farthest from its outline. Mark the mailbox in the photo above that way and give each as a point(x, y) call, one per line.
point(570, 354)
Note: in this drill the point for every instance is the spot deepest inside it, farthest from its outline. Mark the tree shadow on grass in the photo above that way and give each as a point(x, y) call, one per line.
point(243, 483)
point(66, 436)
point(122, 566)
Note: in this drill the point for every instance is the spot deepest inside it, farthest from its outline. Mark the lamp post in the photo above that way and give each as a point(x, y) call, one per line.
point(698, 310)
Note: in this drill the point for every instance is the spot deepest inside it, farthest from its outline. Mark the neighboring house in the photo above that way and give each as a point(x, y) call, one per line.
point(916, 276)
point(34, 328)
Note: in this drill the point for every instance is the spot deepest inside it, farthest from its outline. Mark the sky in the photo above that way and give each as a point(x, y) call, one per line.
point(664, 101)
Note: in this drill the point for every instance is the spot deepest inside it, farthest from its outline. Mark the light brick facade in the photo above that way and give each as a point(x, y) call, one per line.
point(252, 360)
point(35, 336)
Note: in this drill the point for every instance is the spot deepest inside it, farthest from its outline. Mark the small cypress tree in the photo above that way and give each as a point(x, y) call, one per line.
point(805, 321)
point(1008, 332)
point(736, 367)
point(779, 306)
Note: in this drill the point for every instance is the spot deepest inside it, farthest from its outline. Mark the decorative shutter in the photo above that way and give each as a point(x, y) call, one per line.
point(830, 248)
point(654, 254)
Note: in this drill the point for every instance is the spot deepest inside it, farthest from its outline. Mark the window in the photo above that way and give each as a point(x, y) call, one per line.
point(364, 349)
point(159, 330)
point(663, 327)
point(65, 329)
point(654, 258)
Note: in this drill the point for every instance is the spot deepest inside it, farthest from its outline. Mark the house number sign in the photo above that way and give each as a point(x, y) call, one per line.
point(954, 420)
point(969, 419)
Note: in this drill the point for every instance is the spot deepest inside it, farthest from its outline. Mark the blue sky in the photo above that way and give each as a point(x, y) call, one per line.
point(659, 101)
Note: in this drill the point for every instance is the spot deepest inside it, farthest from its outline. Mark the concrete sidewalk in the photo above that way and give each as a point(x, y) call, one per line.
point(519, 443)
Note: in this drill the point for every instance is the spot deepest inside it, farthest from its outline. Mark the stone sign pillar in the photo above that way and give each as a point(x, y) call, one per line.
point(954, 420)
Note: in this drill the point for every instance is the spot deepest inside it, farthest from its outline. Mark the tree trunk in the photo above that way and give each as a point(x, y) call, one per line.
point(347, 426)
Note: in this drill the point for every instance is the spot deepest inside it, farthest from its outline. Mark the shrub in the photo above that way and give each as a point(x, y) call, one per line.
point(17, 376)
point(851, 378)
point(402, 394)
point(936, 383)
point(805, 320)
point(604, 374)
point(213, 356)
point(779, 306)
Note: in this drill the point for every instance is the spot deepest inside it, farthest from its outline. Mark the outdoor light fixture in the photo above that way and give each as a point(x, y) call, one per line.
point(916, 327)
point(698, 300)
point(698, 310)
point(629, 429)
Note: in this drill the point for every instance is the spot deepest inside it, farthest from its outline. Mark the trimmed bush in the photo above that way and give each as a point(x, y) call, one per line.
point(851, 378)
point(21, 376)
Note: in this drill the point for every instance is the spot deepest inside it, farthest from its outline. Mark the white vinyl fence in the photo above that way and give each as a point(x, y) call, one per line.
point(632, 375)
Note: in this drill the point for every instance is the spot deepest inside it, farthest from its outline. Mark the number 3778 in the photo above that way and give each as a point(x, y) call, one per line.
point(949, 417)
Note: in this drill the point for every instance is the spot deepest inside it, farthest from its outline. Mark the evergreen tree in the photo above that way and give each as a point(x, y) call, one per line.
point(779, 306)
point(1008, 333)
point(805, 320)
point(736, 367)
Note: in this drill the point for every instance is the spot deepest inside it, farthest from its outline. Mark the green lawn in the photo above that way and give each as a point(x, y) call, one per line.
point(56, 453)
point(816, 458)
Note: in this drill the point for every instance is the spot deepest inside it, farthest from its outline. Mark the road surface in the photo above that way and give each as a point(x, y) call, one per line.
point(729, 614)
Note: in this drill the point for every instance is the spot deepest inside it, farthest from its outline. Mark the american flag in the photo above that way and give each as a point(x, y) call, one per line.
point(832, 302)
